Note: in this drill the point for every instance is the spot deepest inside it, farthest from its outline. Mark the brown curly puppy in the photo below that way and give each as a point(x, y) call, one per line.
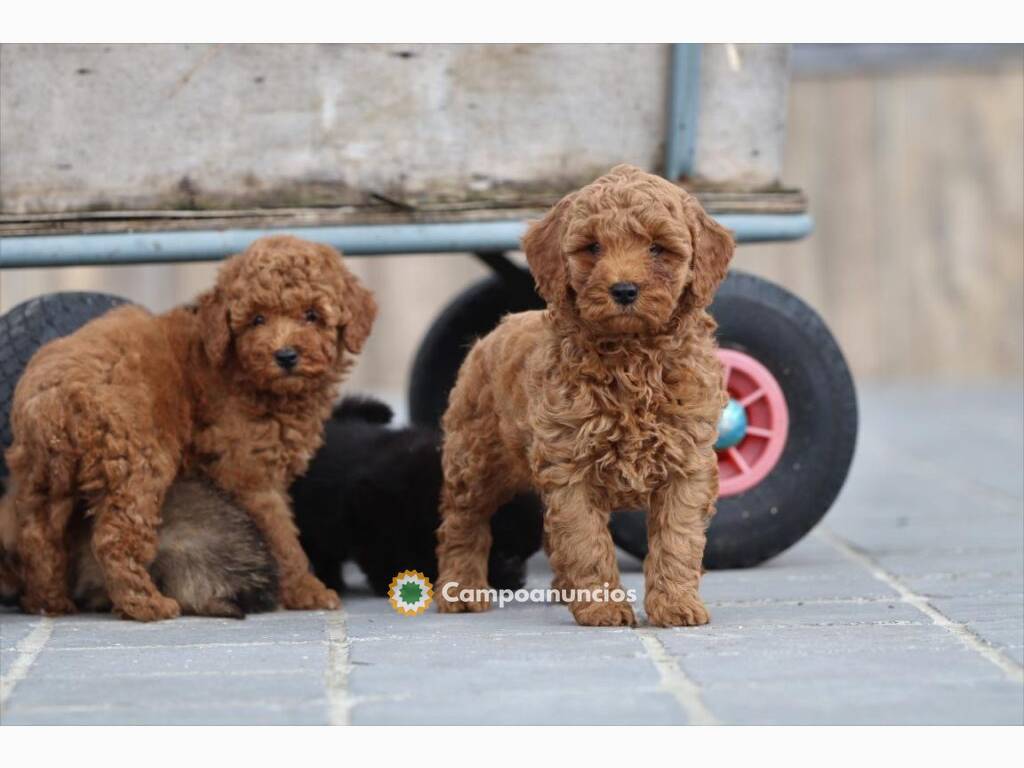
point(236, 387)
point(608, 399)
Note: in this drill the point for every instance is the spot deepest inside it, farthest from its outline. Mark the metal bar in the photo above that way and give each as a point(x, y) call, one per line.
point(684, 98)
point(766, 228)
point(369, 240)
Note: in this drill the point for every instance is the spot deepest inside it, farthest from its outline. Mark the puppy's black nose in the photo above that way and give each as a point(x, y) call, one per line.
point(625, 293)
point(286, 357)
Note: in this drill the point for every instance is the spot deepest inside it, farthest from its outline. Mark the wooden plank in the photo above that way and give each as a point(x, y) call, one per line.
point(104, 127)
point(93, 222)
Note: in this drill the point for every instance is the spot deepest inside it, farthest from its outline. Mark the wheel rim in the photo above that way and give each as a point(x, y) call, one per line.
point(754, 425)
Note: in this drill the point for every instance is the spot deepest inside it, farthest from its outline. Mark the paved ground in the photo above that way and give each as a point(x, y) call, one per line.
point(906, 606)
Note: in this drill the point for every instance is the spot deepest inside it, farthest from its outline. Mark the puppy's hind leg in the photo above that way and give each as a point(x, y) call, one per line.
point(42, 507)
point(472, 491)
point(124, 537)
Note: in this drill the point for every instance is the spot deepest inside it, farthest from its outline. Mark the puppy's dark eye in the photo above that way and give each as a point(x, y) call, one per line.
point(258, 320)
point(311, 316)
point(655, 250)
point(594, 248)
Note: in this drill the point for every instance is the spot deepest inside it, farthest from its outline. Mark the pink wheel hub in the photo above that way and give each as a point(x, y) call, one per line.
point(752, 387)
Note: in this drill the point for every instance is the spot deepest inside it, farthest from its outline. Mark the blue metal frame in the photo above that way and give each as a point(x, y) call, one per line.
point(205, 245)
point(370, 240)
point(683, 102)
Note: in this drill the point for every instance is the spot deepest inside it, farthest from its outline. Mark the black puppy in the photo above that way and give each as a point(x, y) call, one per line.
point(371, 495)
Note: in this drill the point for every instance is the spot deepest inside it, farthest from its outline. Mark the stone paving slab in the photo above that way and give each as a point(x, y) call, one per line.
point(543, 707)
point(226, 713)
point(905, 606)
point(826, 703)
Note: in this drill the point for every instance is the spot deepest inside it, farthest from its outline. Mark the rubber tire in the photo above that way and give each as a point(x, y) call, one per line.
point(790, 339)
point(470, 315)
point(30, 325)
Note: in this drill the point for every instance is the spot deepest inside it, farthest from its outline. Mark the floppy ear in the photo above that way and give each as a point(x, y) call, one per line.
point(213, 314)
point(713, 247)
point(360, 310)
point(543, 246)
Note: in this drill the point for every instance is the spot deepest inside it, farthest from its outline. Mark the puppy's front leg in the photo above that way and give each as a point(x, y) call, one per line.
point(463, 545)
point(300, 589)
point(583, 557)
point(676, 535)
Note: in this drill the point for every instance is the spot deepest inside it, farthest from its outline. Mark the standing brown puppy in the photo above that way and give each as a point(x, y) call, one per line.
point(236, 388)
point(608, 399)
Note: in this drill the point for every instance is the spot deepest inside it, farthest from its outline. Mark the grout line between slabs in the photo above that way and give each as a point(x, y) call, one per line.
point(28, 649)
point(339, 703)
point(675, 681)
point(972, 641)
point(187, 646)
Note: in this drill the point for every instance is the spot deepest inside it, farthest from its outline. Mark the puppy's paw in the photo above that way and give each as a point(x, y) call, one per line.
point(459, 605)
point(51, 605)
point(682, 609)
point(307, 593)
point(594, 614)
point(148, 608)
point(463, 606)
point(560, 587)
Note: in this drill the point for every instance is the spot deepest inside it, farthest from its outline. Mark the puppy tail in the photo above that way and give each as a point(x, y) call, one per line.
point(362, 408)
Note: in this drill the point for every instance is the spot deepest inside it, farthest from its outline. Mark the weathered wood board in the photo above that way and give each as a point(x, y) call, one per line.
point(206, 127)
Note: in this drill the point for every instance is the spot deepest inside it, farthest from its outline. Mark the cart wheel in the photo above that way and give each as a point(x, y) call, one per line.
point(787, 437)
point(27, 327)
point(470, 315)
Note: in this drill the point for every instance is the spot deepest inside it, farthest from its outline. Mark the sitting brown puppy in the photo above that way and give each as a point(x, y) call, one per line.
point(236, 389)
point(608, 399)
point(210, 557)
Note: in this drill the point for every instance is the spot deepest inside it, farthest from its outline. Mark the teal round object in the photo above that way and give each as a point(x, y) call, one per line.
point(732, 425)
